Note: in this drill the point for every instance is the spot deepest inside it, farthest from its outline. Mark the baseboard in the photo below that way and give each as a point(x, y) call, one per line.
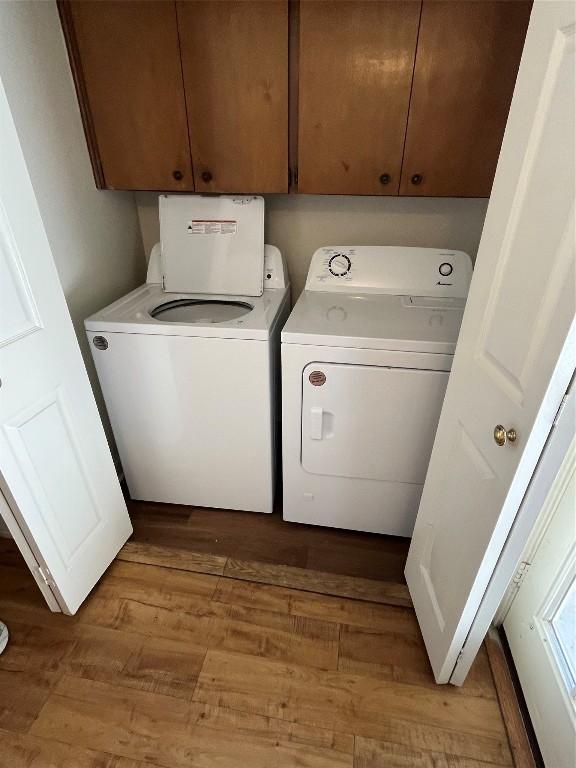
point(521, 737)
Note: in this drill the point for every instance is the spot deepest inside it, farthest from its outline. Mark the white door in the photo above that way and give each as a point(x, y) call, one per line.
point(541, 625)
point(515, 354)
point(56, 470)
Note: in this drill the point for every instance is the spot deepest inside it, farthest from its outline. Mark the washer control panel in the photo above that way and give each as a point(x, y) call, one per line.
point(396, 270)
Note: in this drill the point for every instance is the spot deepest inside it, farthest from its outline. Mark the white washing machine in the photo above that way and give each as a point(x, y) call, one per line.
point(189, 362)
point(366, 355)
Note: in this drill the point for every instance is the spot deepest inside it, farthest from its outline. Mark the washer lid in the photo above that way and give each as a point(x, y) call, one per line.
point(368, 321)
point(212, 244)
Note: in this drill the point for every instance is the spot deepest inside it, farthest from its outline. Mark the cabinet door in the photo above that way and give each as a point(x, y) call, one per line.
point(235, 64)
point(466, 64)
point(356, 65)
point(126, 63)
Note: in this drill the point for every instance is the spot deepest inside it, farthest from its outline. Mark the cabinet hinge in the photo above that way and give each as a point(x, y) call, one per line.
point(295, 175)
point(520, 574)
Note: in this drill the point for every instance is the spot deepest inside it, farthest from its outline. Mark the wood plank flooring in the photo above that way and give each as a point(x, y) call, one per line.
point(268, 550)
point(250, 537)
point(303, 579)
point(167, 668)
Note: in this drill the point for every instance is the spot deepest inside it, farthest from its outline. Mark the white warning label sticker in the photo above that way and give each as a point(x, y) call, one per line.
point(212, 227)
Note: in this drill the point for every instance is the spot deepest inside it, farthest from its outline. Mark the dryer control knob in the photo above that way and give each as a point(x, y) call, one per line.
point(339, 265)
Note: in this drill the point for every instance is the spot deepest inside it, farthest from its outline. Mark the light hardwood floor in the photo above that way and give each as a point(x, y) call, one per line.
point(174, 669)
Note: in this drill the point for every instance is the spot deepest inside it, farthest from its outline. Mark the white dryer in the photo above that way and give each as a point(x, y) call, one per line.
point(366, 355)
point(190, 378)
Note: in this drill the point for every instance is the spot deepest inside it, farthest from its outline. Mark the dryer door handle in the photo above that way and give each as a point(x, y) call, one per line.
point(316, 422)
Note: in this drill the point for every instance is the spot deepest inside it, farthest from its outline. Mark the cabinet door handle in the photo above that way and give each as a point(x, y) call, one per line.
point(206, 177)
point(178, 175)
point(385, 178)
point(416, 179)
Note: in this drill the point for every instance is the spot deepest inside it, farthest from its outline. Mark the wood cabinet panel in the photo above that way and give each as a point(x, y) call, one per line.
point(197, 94)
point(356, 64)
point(466, 65)
point(235, 65)
point(126, 63)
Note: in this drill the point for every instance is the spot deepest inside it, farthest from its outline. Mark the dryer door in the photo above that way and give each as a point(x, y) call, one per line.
point(370, 422)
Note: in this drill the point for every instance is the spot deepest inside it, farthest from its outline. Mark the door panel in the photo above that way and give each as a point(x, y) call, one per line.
point(356, 64)
point(514, 357)
point(370, 422)
point(19, 315)
point(464, 467)
point(532, 304)
point(55, 465)
point(128, 59)
point(32, 436)
point(235, 65)
point(466, 64)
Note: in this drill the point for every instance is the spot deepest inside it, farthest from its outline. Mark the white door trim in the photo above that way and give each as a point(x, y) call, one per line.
point(551, 458)
point(537, 493)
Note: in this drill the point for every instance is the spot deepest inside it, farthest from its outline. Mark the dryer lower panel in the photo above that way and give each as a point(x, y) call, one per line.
point(356, 505)
point(358, 430)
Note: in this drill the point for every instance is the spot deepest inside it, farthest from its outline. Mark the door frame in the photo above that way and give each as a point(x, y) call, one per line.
point(32, 559)
point(526, 521)
point(553, 457)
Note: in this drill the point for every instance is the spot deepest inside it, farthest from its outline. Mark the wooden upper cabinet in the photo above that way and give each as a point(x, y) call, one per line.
point(126, 64)
point(466, 65)
point(235, 65)
point(386, 97)
point(356, 61)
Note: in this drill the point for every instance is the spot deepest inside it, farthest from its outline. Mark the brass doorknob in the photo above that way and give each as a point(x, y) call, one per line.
point(502, 435)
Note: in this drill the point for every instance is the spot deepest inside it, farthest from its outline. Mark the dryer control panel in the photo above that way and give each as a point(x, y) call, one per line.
point(395, 270)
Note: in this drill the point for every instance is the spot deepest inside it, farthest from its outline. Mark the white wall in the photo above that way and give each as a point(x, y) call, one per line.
point(94, 235)
point(299, 224)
